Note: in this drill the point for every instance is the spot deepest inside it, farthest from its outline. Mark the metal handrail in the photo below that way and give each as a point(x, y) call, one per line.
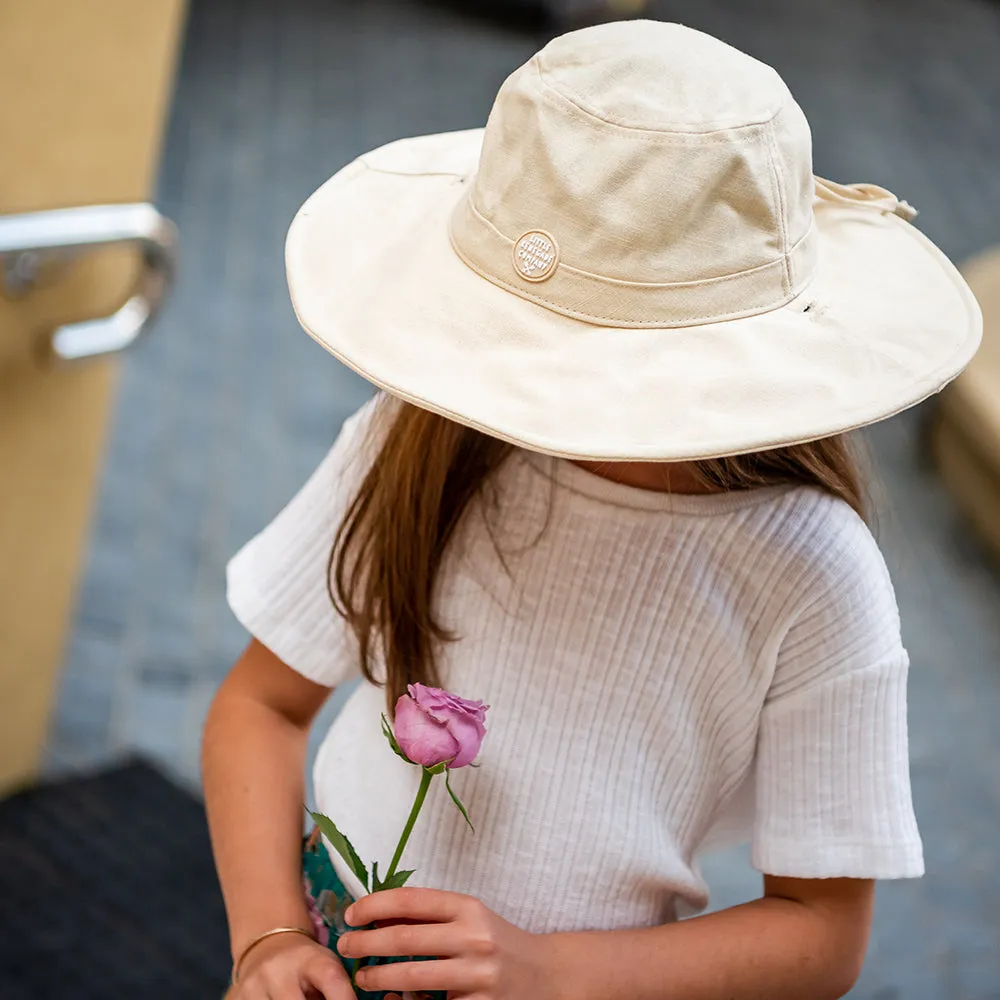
point(28, 240)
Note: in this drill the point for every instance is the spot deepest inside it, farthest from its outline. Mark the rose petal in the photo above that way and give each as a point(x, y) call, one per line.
point(433, 701)
point(469, 733)
point(439, 702)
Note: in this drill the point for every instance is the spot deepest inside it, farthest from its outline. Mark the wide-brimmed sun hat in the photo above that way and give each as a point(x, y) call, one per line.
point(632, 260)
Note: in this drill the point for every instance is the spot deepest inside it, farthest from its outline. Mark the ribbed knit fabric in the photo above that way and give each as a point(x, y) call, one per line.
point(652, 661)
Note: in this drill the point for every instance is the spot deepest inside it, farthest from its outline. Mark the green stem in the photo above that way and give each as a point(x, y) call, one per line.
point(425, 783)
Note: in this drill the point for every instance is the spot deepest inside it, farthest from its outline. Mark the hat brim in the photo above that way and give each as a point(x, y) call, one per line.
point(886, 321)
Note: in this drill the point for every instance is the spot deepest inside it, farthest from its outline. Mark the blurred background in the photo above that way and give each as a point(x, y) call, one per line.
point(130, 472)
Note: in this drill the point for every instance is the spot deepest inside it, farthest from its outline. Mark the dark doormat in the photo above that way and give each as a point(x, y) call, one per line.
point(108, 892)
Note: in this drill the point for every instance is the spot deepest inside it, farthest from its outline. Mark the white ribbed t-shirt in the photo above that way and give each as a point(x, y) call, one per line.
point(658, 667)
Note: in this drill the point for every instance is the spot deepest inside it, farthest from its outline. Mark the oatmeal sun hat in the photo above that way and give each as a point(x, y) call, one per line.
point(633, 260)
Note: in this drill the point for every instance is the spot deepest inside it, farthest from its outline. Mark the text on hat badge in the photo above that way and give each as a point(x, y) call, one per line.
point(535, 255)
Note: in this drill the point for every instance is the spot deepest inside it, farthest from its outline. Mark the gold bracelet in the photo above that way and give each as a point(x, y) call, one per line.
point(263, 937)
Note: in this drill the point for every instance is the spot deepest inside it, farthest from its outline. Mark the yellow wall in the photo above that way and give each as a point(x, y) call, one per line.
point(87, 85)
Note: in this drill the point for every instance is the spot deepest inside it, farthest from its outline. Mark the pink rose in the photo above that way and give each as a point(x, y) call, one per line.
point(433, 727)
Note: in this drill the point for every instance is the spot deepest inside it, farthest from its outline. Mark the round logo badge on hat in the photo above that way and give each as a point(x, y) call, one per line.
point(536, 255)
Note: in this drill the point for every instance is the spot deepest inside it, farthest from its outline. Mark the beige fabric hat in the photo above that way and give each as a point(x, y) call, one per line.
point(632, 261)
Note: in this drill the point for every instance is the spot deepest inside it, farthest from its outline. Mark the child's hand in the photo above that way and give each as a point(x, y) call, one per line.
point(478, 954)
point(291, 967)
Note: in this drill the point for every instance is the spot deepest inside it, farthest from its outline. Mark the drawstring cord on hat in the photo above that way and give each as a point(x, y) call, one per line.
point(864, 196)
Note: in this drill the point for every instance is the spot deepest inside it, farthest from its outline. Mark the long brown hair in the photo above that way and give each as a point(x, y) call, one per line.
point(427, 471)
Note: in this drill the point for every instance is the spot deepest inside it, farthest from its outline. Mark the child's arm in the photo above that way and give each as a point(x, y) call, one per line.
point(253, 759)
point(805, 939)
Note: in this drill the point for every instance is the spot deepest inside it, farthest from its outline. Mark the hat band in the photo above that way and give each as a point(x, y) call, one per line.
point(607, 301)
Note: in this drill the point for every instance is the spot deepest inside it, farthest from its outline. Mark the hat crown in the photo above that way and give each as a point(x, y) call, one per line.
point(672, 172)
point(659, 77)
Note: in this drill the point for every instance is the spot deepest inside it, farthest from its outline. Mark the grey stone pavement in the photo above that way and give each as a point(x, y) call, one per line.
point(227, 407)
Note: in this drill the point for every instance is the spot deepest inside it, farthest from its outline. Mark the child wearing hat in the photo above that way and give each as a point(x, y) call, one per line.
point(619, 336)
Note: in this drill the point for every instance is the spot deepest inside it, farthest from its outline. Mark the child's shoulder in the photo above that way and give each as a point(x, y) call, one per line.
point(830, 541)
point(841, 612)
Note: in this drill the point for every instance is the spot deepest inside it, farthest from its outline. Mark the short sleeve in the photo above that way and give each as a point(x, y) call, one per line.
point(276, 584)
point(832, 774)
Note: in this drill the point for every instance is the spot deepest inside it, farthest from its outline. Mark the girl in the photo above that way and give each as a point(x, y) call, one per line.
point(620, 334)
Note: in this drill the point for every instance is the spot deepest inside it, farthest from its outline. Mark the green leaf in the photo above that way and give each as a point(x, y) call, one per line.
point(391, 737)
point(457, 800)
point(437, 768)
point(394, 881)
point(397, 880)
point(343, 846)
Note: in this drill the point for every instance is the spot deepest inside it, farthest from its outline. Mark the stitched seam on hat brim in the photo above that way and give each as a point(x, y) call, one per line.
point(622, 283)
point(411, 173)
point(647, 132)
